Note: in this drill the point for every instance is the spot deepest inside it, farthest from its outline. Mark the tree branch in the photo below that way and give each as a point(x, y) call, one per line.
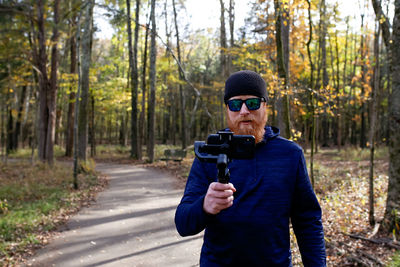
point(384, 21)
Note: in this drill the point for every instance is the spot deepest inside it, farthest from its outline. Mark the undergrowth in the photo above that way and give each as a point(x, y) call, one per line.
point(26, 153)
point(358, 154)
point(395, 260)
point(35, 199)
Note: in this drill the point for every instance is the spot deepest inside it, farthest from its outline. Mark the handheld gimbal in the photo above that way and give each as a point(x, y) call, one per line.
point(221, 148)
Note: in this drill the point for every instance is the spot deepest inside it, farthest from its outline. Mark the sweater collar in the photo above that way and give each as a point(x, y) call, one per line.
point(271, 132)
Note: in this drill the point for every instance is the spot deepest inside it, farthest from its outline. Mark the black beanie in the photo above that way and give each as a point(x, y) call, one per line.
point(245, 82)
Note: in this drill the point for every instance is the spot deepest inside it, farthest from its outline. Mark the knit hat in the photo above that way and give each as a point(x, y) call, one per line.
point(245, 82)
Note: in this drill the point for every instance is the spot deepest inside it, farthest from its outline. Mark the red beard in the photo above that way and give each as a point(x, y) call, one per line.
point(251, 127)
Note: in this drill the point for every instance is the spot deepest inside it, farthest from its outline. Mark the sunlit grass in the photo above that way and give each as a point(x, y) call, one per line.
point(26, 153)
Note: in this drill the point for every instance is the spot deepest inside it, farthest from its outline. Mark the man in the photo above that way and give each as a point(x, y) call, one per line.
point(246, 222)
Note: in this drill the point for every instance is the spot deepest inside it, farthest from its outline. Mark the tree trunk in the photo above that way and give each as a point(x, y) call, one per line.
point(223, 43)
point(167, 94)
point(231, 13)
point(10, 127)
point(84, 97)
point(352, 112)
point(52, 93)
point(122, 128)
point(363, 82)
point(48, 88)
point(134, 77)
point(282, 46)
point(41, 62)
point(325, 77)
point(224, 59)
point(344, 81)
point(142, 131)
point(18, 123)
point(135, 55)
point(153, 77)
point(3, 129)
point(323, 22)
point(71, 103)
point(92, 128)
point(337, 130)
point(391, 217)
point(373, 116)
point(181, 91)
point(311, 95)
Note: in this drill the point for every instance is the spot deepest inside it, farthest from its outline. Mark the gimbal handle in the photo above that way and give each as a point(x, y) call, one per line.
point(223, 171)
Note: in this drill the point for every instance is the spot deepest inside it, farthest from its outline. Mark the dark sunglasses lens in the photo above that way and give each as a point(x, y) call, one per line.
point(235, 104)
point(253, 103)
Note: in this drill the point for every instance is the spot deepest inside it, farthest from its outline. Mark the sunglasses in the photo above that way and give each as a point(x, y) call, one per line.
point(251, 103)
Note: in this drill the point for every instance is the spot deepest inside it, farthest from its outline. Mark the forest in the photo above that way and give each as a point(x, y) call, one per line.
point(332, 74)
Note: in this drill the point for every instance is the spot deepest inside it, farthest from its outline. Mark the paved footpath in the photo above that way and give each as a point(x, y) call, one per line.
point(130, 224)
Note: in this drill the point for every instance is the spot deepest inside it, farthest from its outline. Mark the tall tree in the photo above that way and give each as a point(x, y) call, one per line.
point(373, 116)
point(48, 87)
point(311, 94)
point(134, 77)
point(153, 78)
point(392, 42)
point(231, 13)
point(344, 81)
point(324, 67)
point(223, 42)
point(224, 61)
point(84, 97)
point(181, 91)
point(52, 94)
point(69, 144)
point(363, 83)
point(142, 132)
point(282, 48)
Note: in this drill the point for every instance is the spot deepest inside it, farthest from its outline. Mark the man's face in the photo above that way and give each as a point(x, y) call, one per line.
point(247, 122)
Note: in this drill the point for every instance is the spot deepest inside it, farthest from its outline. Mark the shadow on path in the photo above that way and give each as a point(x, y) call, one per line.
point(131, 224)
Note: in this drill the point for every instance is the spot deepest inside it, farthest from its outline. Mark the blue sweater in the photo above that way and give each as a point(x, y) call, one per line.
point(273, 189)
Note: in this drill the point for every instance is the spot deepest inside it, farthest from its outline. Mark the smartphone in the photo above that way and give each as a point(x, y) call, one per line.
point(234, 146)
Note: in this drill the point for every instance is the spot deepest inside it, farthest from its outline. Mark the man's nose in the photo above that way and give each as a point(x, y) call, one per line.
point(244, 110)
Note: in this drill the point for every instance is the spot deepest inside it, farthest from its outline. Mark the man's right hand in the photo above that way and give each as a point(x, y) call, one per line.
point(219, 197)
